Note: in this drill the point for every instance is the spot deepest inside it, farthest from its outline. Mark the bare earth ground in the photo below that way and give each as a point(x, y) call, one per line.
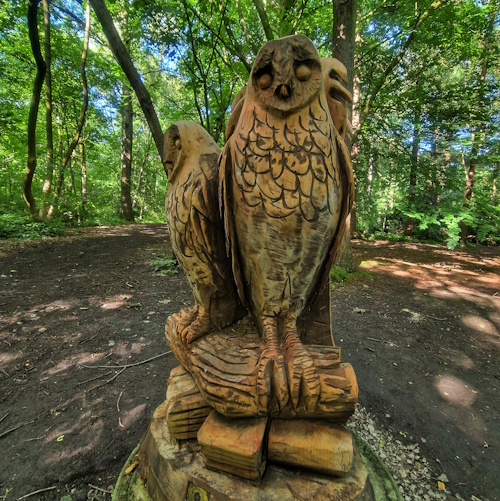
point(419, 323)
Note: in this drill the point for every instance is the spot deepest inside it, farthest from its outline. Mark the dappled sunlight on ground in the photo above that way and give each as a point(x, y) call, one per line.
point(455, 391)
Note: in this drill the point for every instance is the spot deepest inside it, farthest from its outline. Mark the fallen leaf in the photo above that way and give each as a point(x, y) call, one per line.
point(42, 329)
point(131, 468)
point(441, 486)
point(146, 321)
point(485, 445)
point(358, 310)
point(423, 440)
point(443, 478)
point(83, 308)
point(111, 343)
point(387, 416)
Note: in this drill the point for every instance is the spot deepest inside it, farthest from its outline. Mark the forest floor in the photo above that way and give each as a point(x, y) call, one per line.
point(419, 323)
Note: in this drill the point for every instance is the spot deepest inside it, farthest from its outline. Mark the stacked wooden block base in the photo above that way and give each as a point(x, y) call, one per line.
point(176, 470)
point(242, 446)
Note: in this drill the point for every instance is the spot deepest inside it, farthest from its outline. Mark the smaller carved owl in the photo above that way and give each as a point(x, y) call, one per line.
point(334, 73)
point(197, 235)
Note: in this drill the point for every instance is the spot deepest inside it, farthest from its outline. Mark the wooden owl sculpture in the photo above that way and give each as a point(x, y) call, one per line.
point(285, 191)
point(337, 96)
point(191, 205)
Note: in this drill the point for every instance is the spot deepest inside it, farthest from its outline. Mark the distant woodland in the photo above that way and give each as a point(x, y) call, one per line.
point(77, 149)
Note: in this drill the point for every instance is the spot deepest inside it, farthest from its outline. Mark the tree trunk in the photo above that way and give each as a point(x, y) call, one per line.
point(47, 185)
point(35, 101)
point(126, 211)
point(139, 178)
point(81, 119)
point(410, 222)
point(344, 36)
point(83, 195)
point(494, 190)
point(123, 57)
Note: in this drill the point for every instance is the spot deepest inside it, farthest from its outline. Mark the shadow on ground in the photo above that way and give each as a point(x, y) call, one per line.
point(419, 323)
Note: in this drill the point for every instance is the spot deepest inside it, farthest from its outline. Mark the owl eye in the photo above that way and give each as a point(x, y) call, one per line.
point(303, 72)
point(265, 81)
point(178, 144)
point(333, 75)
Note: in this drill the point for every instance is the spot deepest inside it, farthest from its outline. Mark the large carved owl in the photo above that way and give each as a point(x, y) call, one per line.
point(197, 235)
point(285, 192)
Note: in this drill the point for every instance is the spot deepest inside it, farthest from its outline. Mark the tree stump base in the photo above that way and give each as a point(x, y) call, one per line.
point(167, 469)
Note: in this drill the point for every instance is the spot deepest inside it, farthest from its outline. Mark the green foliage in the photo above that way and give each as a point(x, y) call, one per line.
point(442, 97)
point(166, 265)
point(15, 225)
point(338, 275)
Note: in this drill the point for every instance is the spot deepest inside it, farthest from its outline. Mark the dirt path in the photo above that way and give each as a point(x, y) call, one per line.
point(432, 363)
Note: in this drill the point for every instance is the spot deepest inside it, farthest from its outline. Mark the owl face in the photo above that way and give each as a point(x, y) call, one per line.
point(334, 73)
point(286, 74)
point(173, 156)
point(185, 142)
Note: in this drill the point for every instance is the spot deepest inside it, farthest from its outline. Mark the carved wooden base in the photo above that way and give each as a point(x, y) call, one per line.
point(224, 366)
point(186, 407)
point(175, 470)
point(234, 445)
point(315, 445)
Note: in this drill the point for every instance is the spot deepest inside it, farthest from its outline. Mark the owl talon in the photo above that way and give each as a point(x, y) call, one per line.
point(184, 318)
point(271, 383)
point(303, 378)
point(198, 326)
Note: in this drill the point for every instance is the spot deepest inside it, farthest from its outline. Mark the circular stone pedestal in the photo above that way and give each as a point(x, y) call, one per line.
point(166, 469)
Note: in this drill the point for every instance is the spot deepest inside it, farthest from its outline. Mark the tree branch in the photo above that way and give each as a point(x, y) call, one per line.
point(123, 57)
point(261, 10)
point(395, 61)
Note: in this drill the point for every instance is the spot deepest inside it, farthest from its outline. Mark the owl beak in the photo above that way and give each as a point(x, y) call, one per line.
point(283, 91)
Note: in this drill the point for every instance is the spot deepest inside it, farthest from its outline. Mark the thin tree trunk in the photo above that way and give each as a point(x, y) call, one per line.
point(35, 101)
point(143, 164)
point(47, 185)
point(370, 175)
point(81, 119)
point(123, 57)
point(126, 211)
point(410, 222)
point(83, 195)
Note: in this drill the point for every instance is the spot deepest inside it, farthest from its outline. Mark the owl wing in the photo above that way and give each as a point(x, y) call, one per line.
point(347, 181)
point(225, 198)
point(204, 230)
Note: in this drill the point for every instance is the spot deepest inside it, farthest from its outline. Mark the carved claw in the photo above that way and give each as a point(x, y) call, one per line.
point(197, 328)
point(185, 317)
point(303, 379)
point(272, 386)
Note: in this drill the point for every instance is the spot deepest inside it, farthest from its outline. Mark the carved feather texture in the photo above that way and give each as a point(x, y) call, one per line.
point(196, 229)
point(287, 165)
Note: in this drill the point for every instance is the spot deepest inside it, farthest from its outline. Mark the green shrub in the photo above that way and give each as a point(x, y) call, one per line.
point(15, 225)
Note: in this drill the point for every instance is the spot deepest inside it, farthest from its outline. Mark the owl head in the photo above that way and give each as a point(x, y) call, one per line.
point(286, 74)
point(334, 78)
point(184, 141)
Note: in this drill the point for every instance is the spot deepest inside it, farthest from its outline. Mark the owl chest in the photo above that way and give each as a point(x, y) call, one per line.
point(289, 166)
